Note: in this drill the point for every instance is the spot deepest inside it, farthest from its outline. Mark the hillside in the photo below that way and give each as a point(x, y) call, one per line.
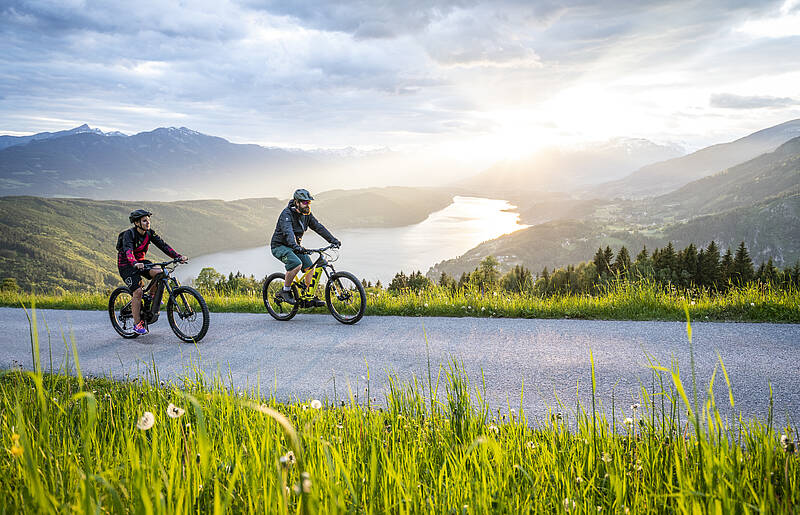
point(767, 228)
point(769, 175)
point(70, 242)
point(666, 176)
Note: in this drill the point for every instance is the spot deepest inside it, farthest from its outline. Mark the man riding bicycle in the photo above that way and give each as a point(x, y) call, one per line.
point(132, 246)
point(293, 222)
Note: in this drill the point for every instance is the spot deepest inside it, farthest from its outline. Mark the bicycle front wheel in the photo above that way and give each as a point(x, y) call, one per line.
point(119, 310)
point(188, 314)
point(345, 297)
point(278, 308)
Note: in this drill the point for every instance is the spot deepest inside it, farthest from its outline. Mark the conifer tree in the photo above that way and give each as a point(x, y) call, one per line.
point(688, 265)
point(769, 274)
point(742, 266)
point(726, 269)
point(641, 257)
point(709, 269)
point(622, 265)
point(669, 258)
point(599, 262)
point(608, 259)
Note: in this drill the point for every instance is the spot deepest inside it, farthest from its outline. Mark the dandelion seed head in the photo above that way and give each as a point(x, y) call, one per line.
point(174, 411)
point(146, 422)
point(628, 421)
point(316, 404)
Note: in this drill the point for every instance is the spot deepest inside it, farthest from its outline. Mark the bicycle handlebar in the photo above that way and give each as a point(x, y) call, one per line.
point(320, 250)
point(150, 266)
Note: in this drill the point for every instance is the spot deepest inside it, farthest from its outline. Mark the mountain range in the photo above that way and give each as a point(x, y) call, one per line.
point(744, 190)
point(165, 163)
point(663, 177)
point(757, 201)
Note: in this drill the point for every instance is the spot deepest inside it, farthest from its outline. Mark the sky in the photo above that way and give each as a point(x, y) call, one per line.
point(469, 81)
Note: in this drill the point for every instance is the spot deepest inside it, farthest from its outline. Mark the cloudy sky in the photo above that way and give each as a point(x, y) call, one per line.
point(476, 81)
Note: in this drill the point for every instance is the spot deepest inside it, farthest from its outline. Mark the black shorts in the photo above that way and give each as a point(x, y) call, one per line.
point(132, 276)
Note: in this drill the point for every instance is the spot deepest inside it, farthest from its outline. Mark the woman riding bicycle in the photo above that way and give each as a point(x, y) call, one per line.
point(293, 222)
point(132, 246)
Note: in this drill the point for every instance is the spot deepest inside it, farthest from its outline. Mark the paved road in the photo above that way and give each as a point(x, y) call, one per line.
point(305, 357)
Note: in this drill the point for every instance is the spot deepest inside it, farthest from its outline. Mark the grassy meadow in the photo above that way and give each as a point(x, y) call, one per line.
point(620, 301)
point(199, 444)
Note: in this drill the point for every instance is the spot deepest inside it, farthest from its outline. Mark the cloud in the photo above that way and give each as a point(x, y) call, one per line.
point(730, 101)
point(359, 72)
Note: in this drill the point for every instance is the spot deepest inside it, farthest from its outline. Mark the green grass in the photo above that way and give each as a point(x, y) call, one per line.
point(72, 444)
point(622, 301)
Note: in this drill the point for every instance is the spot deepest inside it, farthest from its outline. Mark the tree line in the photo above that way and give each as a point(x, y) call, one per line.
point(687, 268)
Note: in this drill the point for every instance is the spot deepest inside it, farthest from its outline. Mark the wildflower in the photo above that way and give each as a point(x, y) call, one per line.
point(635, 406)
point(493, 428)
point(316, 404)
point(16, 448)
point(568, 502)
point(174, 412)
point(629, 422)
point(752, 304)
point(426, 304)
point(787, 443)
point(288, 460)
point(146, 422)
point(306, 482)
point(606, 457)
point(305, 407)
point(579, 480)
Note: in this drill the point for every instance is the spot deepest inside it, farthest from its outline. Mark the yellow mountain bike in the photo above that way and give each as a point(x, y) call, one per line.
point(344, 294)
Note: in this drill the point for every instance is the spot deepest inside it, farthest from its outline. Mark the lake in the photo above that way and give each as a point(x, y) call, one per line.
point(379, 253)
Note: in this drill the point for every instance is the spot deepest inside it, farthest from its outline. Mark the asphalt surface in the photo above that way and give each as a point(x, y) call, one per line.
point(534, 364)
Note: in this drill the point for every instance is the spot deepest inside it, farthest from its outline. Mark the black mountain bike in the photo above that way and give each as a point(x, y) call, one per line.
point(186, 309)
point(344, 294)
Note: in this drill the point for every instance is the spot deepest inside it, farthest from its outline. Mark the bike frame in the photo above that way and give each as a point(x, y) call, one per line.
point(320, 265)
point(165, 281)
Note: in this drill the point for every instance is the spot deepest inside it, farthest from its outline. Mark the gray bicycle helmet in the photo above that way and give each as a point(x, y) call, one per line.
point(139, 213)
point(302, 195)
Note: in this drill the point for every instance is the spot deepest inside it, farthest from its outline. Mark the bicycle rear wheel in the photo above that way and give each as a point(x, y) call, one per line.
point(279, 309)
point(345, 297)
point(188, 314)
point(119, 310)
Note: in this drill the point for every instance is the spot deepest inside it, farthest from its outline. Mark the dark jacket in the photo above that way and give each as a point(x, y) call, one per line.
point(292, 225)
point(132, 246)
